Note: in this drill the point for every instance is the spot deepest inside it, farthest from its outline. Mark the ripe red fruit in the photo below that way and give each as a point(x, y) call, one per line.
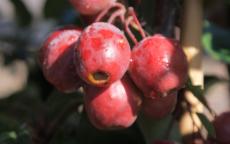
point(159, 107)
point(222, 128)
point(158, 66)
point(91, 7)
point(102, 54)
point(56, 59)
point(113, 107)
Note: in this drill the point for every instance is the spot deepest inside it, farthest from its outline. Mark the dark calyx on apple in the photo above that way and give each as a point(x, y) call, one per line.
point(102, 54)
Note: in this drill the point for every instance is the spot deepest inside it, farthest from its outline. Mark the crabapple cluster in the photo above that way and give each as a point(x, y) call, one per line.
point(118, 81)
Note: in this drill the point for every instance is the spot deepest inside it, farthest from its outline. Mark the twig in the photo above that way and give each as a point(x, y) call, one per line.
point(119, 13)
point(138, 25)
point(189, 106)
point(117, 5)
point(129, 32)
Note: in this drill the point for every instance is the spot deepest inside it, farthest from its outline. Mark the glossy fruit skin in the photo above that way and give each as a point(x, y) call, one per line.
point(222, 128)
point(56, 59)
point(158, 66)
point(114, 107)
point(102, 48)
point(159, 107)
point(91, 7)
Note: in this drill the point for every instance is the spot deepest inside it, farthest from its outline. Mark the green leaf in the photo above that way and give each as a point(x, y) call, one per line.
point(23, 15)
point(198, 92)
point(18, 135)
point(207, 124)
point(6, 136)
point(215, 41)
point(154, 129)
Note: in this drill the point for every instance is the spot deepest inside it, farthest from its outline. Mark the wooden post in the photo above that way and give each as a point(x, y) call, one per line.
point(191, 42)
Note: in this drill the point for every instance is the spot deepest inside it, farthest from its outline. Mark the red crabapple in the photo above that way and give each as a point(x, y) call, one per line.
point(158, 66)
point(56, 59)
point(159, 107)
point(102, 54)
point(222, 127)
point(91, 7)
point(113, 107)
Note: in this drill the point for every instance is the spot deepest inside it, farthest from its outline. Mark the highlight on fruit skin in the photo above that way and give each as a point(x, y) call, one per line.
point(102, 54)
point(158, 65)
point(91, 7)
point(222, 128)
point(56, 59)
point(159, 107)
point(113, 107)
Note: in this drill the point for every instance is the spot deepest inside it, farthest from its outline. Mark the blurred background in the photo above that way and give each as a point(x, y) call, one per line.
point(29, 104)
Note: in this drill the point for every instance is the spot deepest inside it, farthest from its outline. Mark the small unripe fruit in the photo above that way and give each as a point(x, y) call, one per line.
point(113, 107)
point(91, 7)
point(56, 59)
point(159, 107)
point(158, 66)
point(102, 54)
point(222, 128)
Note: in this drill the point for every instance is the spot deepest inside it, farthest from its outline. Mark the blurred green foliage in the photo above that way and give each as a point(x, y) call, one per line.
point(216, 42)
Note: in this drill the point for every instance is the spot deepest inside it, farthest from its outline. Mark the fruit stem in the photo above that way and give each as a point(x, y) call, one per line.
point(117, 5)
point(118, 13)
point(137, 23)
point(129, 32)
